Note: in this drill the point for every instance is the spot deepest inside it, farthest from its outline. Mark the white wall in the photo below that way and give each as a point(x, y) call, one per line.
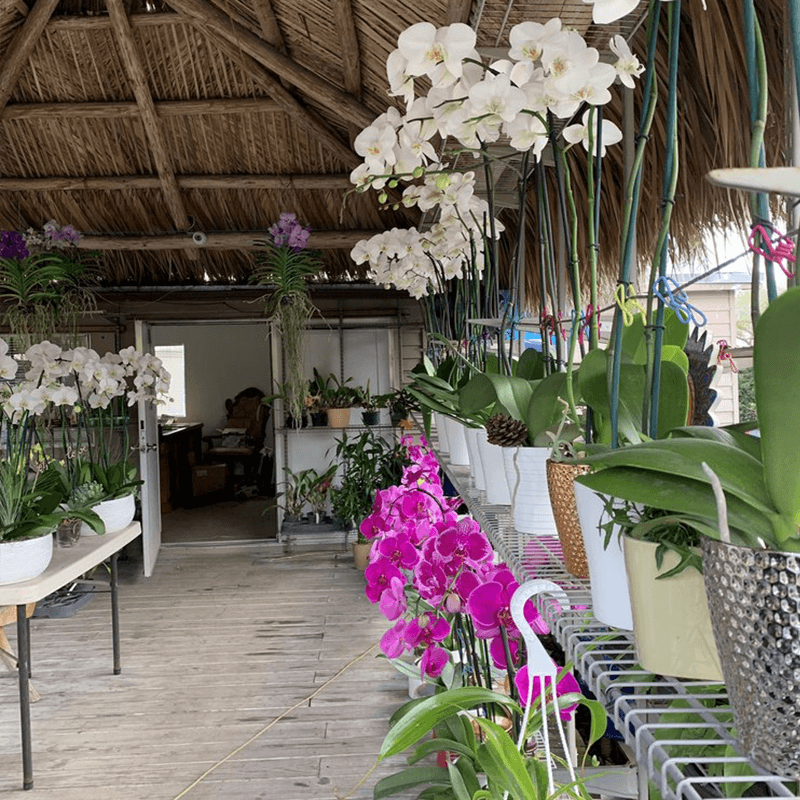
point(221, 360)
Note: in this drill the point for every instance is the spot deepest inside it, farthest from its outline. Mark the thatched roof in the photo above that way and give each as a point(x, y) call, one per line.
point(159, 118)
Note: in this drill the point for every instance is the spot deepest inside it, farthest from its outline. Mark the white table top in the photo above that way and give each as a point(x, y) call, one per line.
point(68, 564)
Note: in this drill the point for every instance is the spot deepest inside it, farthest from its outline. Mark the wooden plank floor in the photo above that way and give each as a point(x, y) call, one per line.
point(216, 646)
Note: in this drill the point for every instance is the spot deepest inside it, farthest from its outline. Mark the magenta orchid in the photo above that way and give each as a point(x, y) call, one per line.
point(567, 685)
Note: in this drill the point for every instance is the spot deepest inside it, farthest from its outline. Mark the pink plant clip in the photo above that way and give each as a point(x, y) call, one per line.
point(777, 251)
point(725, 355)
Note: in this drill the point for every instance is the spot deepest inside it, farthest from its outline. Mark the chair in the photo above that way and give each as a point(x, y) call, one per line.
point(240, 444)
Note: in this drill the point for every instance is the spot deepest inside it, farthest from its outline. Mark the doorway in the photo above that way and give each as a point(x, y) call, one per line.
point(207, 499)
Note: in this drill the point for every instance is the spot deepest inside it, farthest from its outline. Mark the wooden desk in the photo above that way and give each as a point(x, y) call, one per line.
point(68, 564)
point(180, 448)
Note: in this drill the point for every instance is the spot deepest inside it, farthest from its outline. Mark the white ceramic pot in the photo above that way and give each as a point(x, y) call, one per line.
point(494, 472)
point(116, 514)
point(459, 455)
point(441, 433)
point(531, 511)
point(475, 463)
point(25, 559)
point(611, 602)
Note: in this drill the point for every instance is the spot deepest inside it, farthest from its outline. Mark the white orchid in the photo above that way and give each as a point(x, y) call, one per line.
point(610, 133)
point(63, 395)
point(605, 12)
point(528, 132)
point(375, 144)
point(8, 368)
point(528, 39)
point(627, 65)
point(437, 53)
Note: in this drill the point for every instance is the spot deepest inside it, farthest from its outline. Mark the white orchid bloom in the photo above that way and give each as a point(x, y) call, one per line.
point(605, 12)
point(364, 176)
point(128, 355)
point(8, 368)
point(496, 96)
point(527, 132)
point(63, 395)
point(97, 400)
point(610, 133)
point(594, 90)
point(528, 39)
point(3, 347)
point(437, 53)
point(375, 144)
point(627, 65)
point(401, 84)
point(43, 352)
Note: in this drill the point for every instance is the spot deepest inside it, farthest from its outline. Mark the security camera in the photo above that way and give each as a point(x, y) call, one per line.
point(199, 238)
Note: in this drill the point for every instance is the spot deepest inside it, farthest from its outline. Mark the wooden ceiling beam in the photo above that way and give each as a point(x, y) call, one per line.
point(211, 19)
point(269, 24)
point(240, 240)
point(22, 45)
point(458, 11)
point(340, 181)
point(122, 110)
point(348, 46)
point(152, 125)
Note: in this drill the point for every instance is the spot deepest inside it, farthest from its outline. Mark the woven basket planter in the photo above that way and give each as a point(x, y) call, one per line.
point(562, 498)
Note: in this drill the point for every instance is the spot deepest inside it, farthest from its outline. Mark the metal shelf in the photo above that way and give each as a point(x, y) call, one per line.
point(642, 707)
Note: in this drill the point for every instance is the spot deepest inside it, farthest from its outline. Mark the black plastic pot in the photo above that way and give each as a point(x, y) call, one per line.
point(370, 417)
point(319, 419)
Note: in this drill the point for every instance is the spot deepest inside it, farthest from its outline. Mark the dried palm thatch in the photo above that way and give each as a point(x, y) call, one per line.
point(169, 117)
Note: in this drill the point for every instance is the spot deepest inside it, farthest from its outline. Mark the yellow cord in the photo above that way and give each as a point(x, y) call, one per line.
point(627, 304)
point(274, 722)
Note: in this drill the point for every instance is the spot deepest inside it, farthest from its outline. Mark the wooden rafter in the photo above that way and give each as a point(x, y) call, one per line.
point(269, 24)
point(113, 182)
point(152, 126)
point(285, 99)
point(319, 240)
point(458, 11)
point(348, 45)
point(22, 46)
point(121, 110)
point(211, 19)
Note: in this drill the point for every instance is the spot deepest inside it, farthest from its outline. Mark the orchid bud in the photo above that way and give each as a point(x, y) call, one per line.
point(452, 603)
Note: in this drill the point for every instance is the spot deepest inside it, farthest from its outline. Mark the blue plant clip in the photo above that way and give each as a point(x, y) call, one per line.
point(671, 295)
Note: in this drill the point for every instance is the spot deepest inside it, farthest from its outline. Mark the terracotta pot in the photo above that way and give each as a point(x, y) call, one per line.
point(361, 551)
point(560, 479)
point(671, 623)
point(338, 417)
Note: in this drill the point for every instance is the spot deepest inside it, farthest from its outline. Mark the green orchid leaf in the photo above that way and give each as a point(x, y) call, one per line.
point(477, 394)
point(673, 396)
point(599, 719)
point(545, 409)
point(502, 762)
point(408, 779)
point(437, 745)
point(418, 719)
point(740, 474)
point(776, 364)
point(492, 364)
point(530, 365)
point(633, 341)
point(727, 436)
point(426, 401)
point(670, 352)
point(457, 781)
point(678, 494)
point(469, 776)
point(676, 333)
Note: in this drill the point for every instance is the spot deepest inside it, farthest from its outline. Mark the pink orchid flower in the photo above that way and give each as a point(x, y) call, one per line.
point(379, 575)
point(567, 685)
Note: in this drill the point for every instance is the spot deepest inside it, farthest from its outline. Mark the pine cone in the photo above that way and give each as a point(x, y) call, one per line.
point(506, 431)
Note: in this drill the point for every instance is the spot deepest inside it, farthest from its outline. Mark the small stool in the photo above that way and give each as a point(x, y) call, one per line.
point(8, 614)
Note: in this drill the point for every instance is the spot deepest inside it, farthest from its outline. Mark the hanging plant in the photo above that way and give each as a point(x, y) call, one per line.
point(44, 290)
point(286, 267)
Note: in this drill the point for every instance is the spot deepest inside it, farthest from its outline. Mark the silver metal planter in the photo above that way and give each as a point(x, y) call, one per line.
point(754, 601)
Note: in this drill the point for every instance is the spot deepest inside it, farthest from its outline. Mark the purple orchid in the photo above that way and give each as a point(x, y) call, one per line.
point(393, 644)
point(12, 245)
point(288, 232)
point(464, 543)
point(433, 661)
point(379, 575)
point(399, 550)
point(393, 600)
point(567, 685)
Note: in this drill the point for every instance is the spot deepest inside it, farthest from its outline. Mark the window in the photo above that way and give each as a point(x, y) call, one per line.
point(173, 358)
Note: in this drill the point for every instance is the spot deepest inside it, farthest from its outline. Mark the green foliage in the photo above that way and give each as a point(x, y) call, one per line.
point(760, 477)
point(747, 395)
point(369, 463)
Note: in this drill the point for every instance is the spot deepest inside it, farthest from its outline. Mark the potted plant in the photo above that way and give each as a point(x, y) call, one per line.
point(315, 402)
point(338, 399)
point(743, 494)
point(318, 491)
point(400, 404)
point(286, 267)
point(369, 463)
point(370, 404)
